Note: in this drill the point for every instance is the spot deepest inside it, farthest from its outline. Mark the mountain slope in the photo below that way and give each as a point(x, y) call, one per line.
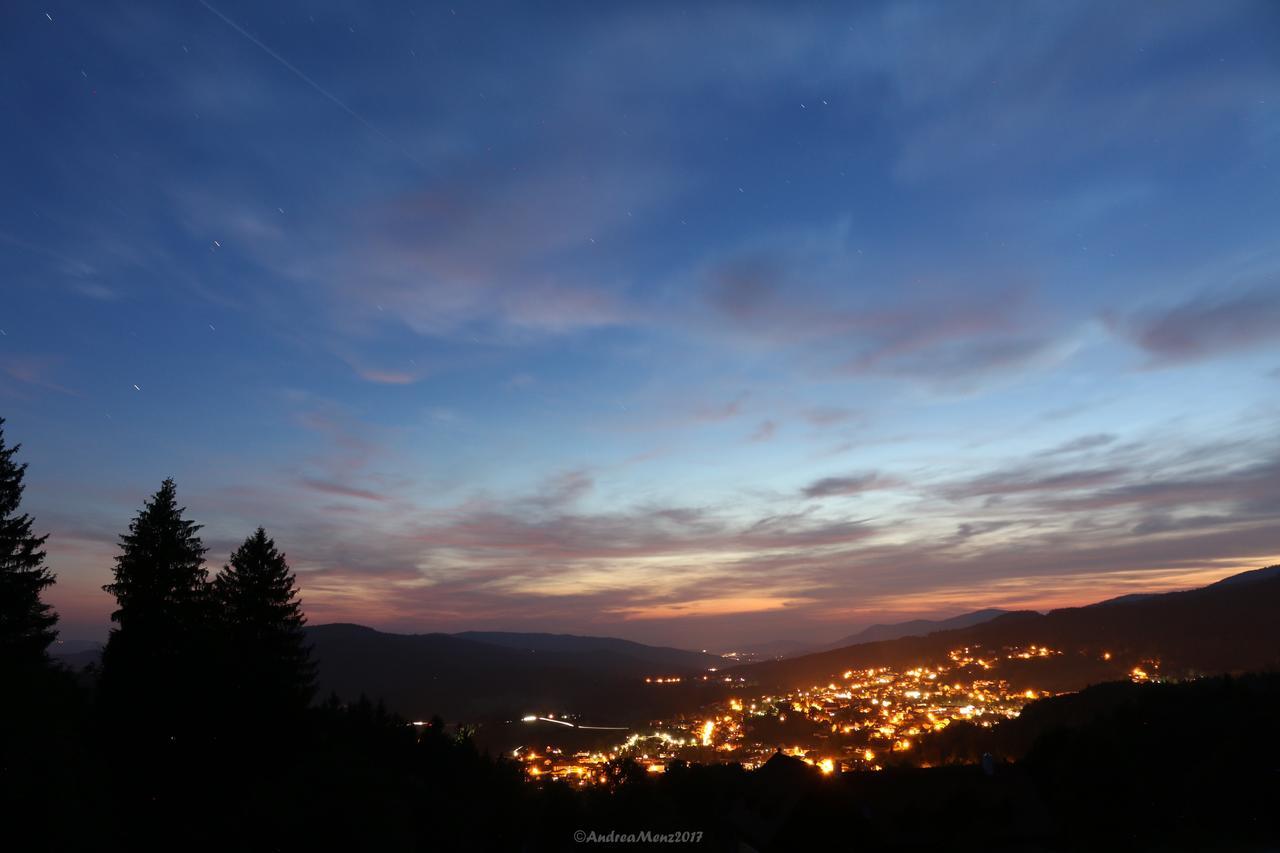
point(419, 675)
point(1225, 627)
point(915, 628)
point(655, 657)
point(871, 634)
point(76, 654)
point(1253, 576)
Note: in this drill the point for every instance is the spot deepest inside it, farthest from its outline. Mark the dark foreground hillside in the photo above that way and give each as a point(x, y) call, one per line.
point(1194, 765)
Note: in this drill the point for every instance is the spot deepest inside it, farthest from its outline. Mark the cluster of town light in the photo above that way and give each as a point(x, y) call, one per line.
point(863, 714)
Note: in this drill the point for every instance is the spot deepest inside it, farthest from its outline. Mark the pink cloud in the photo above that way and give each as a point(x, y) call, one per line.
point(339, 489)
point(388, 377)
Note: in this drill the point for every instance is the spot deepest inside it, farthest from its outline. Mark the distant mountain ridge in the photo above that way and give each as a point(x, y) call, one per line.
point(1249, 577)
point(780, 649)
point(916, 628)
point(463, 678)
point(1227, 626)
point(679, 660)
point(76, 654)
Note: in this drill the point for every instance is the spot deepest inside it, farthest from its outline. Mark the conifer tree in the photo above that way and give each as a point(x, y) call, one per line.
point(262, 628)
point(26, 622)
point(159, 650)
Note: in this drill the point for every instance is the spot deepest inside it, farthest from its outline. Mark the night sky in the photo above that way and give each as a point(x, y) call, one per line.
point(686, 323)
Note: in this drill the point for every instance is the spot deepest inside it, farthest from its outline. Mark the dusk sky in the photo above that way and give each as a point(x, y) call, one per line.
point(692, 324)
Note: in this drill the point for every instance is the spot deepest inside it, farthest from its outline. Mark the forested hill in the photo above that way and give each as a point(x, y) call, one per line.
point(654, 658)
point(1229, 626)
point(462, 679)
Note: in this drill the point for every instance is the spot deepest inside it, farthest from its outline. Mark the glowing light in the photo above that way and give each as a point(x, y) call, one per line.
point(551, 719)
point(893, 707)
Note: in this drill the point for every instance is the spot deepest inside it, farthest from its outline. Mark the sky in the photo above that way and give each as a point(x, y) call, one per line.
point(696, 324)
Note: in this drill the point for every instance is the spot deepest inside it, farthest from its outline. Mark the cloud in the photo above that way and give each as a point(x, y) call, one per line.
point(499, 255)
point(828, 415)
point(849, 485)
point(340, 489)
point(959, 365)
point(673, 570)
point(722, 411)
point(644, 532)
point(1076, 445)
point(812, 296)
point(1015, 91)
point(968, 530)
point(1256, 484)
point(1171, 524)
point(1029, 480)
point(351, 447)
point(713, 606)
point(765, 431)
point(36, 372)
point(95, 290)
point(388, 377)
point(586, 229)
point(800, 531)
point(1205, 326)
point(564, 489)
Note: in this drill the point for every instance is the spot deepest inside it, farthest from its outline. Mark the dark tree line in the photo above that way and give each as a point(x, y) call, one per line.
point(200, 675)
point(198, 730)
point(226, 651)
point(26, 621)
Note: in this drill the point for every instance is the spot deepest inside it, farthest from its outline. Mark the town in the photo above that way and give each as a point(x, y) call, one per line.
point(863, 720)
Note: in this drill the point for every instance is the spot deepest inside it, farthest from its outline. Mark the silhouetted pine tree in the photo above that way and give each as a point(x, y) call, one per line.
point(26, 622)
point(40, 708)
point(261, 628)
point(157, 665)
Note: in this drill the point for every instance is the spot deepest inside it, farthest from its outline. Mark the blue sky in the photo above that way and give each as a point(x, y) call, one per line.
point(698, 324)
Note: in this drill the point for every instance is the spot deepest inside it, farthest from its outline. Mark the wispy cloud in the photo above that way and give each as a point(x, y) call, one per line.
point(1205, 326)
point(887, 232)
point(1080, 444)
point(849, 485)
point(765, 431)
point(1027, 480)
point(341, 490)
